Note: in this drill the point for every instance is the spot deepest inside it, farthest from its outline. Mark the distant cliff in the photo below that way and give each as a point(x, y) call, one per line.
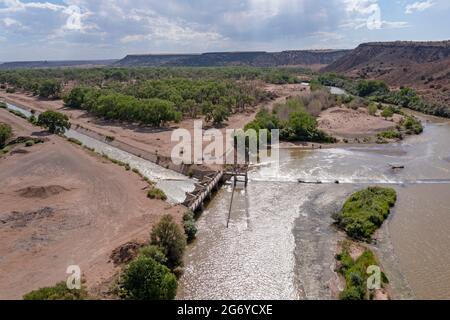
point(254, 59)
point(424, 66)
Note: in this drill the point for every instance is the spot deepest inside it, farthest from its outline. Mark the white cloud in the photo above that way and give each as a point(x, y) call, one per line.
point(419, 6)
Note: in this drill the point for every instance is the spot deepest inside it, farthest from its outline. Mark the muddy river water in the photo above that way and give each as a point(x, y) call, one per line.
point(281, 243)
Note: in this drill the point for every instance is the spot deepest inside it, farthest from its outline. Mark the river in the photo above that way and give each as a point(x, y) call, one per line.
point(281, 242)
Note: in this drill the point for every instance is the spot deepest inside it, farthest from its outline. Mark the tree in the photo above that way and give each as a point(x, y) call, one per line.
point(49, 88)
point(220, 114)
point(5, 134)
point(55, 122)
point(170, 238)
point(147, 279)
point(58, 292)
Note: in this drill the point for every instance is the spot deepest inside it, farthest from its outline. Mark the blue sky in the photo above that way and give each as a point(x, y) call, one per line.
point(85, 29)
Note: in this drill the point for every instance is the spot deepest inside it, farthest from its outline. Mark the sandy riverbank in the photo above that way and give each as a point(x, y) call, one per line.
point(63, 206)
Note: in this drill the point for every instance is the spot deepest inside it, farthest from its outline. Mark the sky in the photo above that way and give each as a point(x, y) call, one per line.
point(108, 29)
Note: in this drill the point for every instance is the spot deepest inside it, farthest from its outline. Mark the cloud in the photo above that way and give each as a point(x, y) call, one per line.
point(419, 6)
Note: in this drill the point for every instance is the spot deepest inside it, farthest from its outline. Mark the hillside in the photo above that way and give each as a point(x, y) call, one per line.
point(424, 66)
point(254, 59)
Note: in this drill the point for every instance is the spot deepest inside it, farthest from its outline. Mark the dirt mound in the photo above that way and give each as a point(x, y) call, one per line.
point(125, 253)
point(22, 219)
point(41, 192)
point(19, 151)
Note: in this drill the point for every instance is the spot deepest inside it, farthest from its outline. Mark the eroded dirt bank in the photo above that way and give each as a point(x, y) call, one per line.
point(62, 206)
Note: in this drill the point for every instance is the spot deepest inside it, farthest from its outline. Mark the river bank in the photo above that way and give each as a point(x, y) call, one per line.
point(62, 206)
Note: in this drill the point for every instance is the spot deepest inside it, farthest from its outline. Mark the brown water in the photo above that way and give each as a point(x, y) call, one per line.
point(281, 242)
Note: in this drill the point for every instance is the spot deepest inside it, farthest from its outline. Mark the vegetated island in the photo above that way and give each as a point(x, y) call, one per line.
point(362, 214)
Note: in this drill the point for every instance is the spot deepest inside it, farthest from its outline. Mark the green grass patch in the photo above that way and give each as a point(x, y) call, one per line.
point(156, 193)
point(365, 211)
point(355, 274)
point(58, 292)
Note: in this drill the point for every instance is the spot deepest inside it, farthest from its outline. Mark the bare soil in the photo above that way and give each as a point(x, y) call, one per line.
point(62, 206)
point(346, 123)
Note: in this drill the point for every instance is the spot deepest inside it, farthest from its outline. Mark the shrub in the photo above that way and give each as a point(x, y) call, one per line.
point(390, 135)
point(156, 193)
point(55, 122)
point(147, 279)
point(29, 143)
point(10, 90)
point(168, 236)
point(5, 134)
point(388, 112)
point(75, 141)
point(365, 211)
point(190, 229)
point(58, 292)
point(3, 105)
point(155, 253)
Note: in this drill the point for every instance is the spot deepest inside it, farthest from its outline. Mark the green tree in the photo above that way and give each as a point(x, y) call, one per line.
point(55, 122)
point(146, 279)
point(388, 112)
point(50, 88)
point(5, 134)
point(170, 238)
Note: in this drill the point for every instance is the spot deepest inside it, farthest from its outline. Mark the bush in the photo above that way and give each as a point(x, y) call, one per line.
point(154, 253)
point(58, 292)
point(10, 90)
point(29, 143)
point(391, 135)
point(156, 193)
point(412, 125)
point(168, 236)
point(3, 105)
point(147, 279)
point(5, 134)
point(365, 211)
point(55, 122)
point(355, 273)
point(388, 112)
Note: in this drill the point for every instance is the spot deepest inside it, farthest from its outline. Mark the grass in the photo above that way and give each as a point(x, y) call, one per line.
point(365, 211)
point(355, 274)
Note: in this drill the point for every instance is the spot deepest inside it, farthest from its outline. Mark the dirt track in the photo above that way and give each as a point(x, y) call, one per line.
point(61, 206)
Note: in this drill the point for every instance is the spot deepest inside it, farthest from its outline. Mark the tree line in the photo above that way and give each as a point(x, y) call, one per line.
point(156, 102)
